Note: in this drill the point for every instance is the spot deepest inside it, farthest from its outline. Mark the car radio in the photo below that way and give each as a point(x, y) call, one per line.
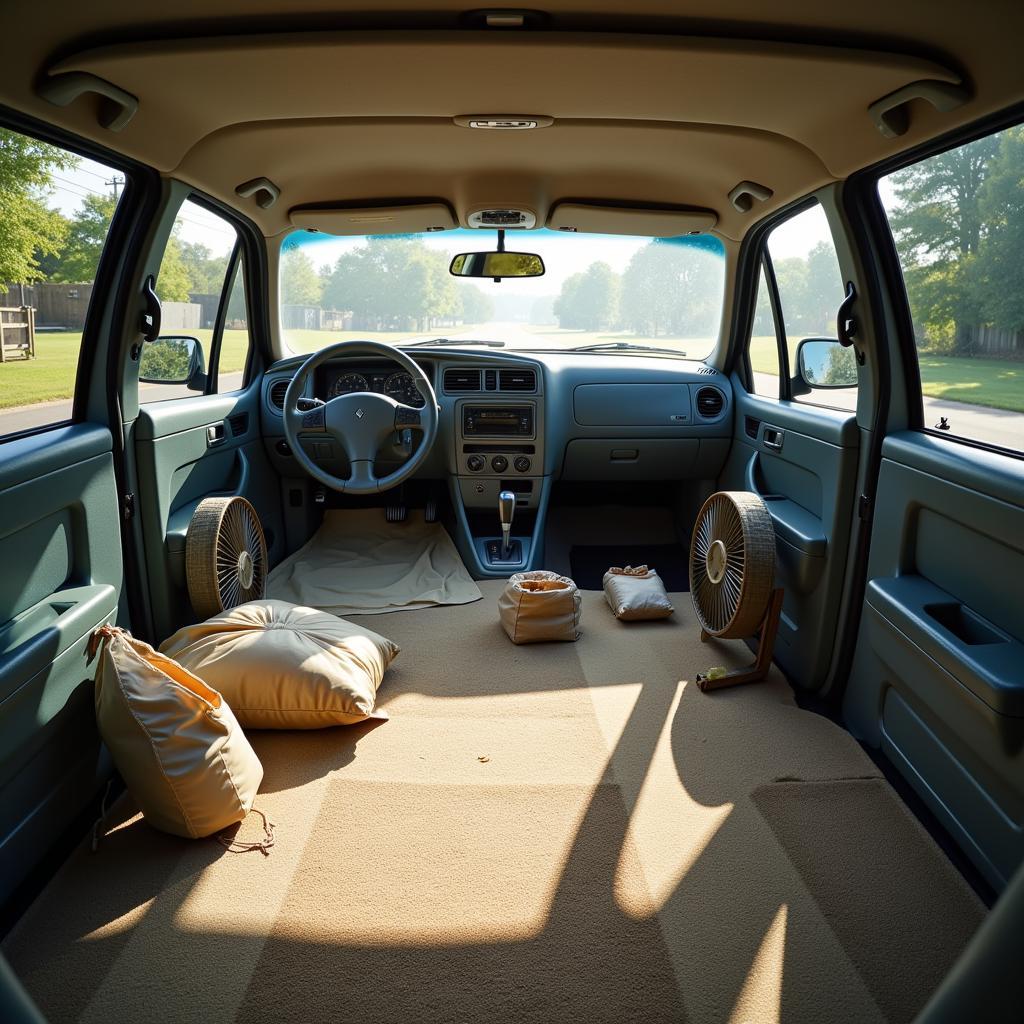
point(497, 421)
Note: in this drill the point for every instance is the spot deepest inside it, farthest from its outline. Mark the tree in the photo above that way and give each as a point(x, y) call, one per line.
point(938, 224)
point(173, 281)
point(205, 271)
point(301, 285)
point(31, 231)
point(87, 234)
point(477, 308)
point(999, 269)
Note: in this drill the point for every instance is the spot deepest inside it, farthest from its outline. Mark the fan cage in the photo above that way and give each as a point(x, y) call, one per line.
point(225, 555)
point(732, 564)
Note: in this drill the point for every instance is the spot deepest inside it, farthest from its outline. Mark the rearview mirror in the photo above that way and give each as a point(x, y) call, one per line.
point(497, 264)
point(824, 363)
point(173, 359)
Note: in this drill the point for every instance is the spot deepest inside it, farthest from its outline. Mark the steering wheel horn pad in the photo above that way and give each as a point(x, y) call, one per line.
point(360, 422)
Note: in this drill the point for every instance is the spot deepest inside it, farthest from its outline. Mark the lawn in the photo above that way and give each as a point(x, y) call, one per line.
point(996, 383)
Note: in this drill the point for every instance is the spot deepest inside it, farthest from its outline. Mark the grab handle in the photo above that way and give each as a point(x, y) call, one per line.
point(890, 113)
point(116, 108)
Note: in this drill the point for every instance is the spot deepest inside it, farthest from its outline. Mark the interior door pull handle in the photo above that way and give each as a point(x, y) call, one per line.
point(773, 438)
point(215, 435)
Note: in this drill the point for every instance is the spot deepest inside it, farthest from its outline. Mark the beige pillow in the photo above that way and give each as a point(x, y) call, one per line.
point(282, 666)
point(538, 606)
point(636, 593)
point(174, 740)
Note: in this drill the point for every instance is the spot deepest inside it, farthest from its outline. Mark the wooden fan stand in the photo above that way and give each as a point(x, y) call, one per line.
point(765, 650)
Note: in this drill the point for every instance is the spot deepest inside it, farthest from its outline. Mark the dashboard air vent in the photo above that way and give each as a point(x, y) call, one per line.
point(517, 380)
point(277, 392)
point(710, 403)
point(490, 380)
point(461, 380)
point(708, 371)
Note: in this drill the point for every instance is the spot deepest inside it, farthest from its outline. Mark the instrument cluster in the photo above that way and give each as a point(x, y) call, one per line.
point(382, 380)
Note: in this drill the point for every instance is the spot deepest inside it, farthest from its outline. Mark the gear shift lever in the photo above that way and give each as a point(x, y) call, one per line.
point(506, 510)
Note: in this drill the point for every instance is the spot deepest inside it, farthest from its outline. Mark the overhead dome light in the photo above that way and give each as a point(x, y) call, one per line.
point(503, 122)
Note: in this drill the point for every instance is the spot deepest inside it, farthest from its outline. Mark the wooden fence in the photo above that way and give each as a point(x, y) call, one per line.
point(999, 342)
point(17, 336)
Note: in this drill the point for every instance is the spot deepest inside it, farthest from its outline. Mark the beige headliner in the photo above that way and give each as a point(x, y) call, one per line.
point(362, 117)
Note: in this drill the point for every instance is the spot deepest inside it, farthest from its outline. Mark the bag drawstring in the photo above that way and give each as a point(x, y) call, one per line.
point(97, 834)
point(104, 632)
point(629, 570)
point(263, 845)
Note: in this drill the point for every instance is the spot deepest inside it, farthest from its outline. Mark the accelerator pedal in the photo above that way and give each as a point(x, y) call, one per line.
point(430, 509)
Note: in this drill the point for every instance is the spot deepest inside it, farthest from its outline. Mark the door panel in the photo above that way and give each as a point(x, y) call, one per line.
point(60, 549)
point(938, 679)
point(803, 461)
point(187, 450)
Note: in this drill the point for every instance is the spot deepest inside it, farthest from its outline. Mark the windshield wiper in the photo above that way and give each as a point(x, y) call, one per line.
point(450, 342)
point(625, 346)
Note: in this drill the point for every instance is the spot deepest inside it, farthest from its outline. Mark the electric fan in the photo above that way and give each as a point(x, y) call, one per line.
point(732, 576)
point(225, 556)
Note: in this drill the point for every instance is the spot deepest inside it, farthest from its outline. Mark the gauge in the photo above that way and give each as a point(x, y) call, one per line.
point(401, 388)
point(347, 383)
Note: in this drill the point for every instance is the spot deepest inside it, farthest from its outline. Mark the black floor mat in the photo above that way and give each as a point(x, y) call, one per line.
point(590, 562)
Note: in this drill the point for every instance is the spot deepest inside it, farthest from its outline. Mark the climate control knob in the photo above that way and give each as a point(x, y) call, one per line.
point(499, 463)
point(522, 464)
point(475, 463)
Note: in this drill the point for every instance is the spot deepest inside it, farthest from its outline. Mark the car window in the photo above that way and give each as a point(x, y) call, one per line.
point(764, 343)
point(810, 285)
point(197, 260)
point(957, 219)
point(55, 214)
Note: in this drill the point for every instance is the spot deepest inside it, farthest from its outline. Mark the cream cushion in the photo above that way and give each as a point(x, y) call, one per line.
point(283, 666)
point(636, 593)
point(180, 750)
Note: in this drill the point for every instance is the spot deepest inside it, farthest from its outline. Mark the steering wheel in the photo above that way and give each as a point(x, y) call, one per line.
point(361, 421)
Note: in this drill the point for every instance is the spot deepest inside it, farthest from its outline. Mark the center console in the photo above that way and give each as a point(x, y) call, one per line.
point(499, 454)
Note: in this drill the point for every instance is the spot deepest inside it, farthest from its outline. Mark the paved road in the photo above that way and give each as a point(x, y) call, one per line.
point(43, 413)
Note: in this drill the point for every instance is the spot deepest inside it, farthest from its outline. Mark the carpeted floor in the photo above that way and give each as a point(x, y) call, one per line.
point(539, 834)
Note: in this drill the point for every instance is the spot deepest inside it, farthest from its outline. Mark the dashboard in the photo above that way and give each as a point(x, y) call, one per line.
point(383, 379)
point(519, 421)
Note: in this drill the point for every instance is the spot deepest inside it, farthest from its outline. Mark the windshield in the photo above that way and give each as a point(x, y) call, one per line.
point(606, 291)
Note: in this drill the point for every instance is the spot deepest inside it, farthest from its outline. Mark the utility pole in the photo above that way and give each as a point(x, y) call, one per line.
point(115, 182)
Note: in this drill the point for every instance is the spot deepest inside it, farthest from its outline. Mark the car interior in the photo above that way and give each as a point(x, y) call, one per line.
point(462, 330)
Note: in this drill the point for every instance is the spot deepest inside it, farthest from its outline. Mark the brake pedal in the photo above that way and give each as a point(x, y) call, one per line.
point(396, 513)
point(430, 509)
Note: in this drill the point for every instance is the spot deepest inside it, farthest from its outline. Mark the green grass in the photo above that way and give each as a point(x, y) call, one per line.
point(301, 341)
point(995, 383)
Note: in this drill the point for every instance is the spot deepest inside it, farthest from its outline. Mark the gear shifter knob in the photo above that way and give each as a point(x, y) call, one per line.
point(506, 510)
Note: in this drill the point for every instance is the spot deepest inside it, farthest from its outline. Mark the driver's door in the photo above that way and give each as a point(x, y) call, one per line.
point(197, 433)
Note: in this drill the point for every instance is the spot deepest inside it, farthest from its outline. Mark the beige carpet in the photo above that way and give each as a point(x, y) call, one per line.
point(539, 834)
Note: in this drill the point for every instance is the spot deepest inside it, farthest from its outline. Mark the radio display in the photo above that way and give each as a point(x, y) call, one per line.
point(497, 421)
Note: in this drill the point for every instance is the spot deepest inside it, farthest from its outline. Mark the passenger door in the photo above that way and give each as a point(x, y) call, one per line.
point(800, 452)
point(199, 437)
point(938, 678)
point(60, 542)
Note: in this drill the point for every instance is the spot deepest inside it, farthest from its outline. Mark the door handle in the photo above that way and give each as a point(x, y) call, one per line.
point(773, 438)
point(215, 435)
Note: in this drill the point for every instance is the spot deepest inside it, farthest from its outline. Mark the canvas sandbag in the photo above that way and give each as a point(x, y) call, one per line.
point(283, 666)
point(540, 606)
point(180, 750)
point(636, 593)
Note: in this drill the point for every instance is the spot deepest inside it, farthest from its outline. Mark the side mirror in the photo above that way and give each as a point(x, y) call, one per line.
point(497, 265)
point(173, 359)
point(823, 363)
